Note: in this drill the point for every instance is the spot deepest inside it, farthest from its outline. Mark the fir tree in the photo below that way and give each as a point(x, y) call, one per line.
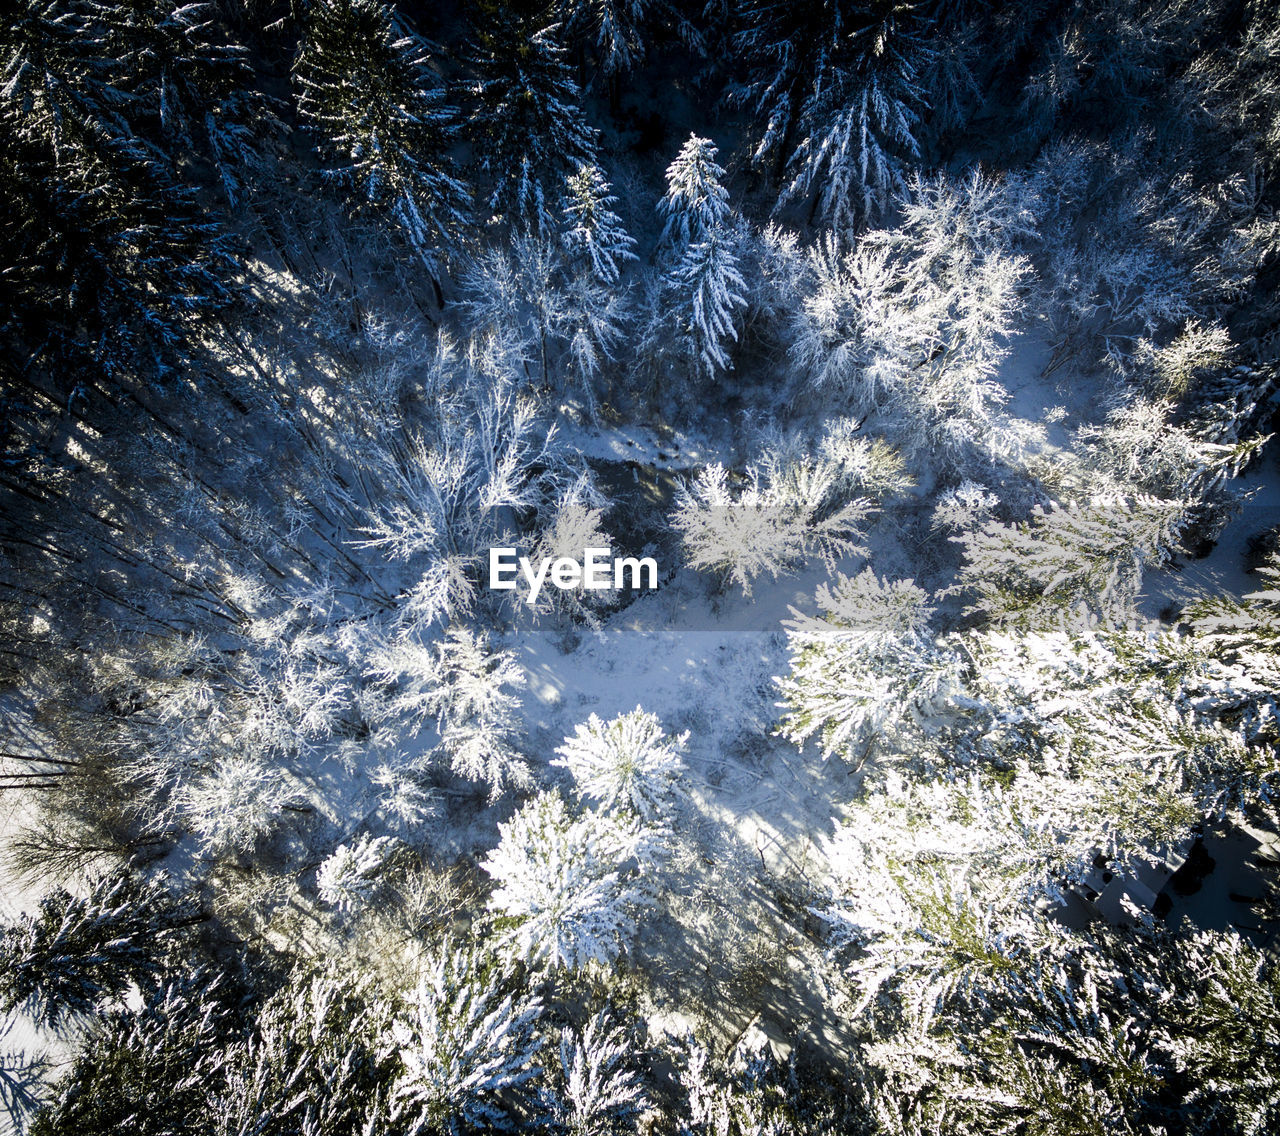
point(109, 262)
point(561, 879)
point(182, 83)
point(602, 1093)
point(696, 204)
point(466, 1043)
point(836, 87)
point(78, 954)
point(626, 764)
point(704, 286)
point(592, 230)
point(366, 88)
point(528, 124)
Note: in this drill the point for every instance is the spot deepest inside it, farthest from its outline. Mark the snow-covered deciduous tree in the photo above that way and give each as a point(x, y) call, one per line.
point(551, 311)
point(592, 230)
point(575, 524)
point(234, 803)
point(78, 954)
point(528, 122)
point(602, 1094)
point(568, 881)
point(793, 505)
point(627, 764)
point(348, 876)
point(467, 1040)
point(963, 507)
point(912, 323)
point(365, 86)
point(438, 499)
point(1128, 259)
point(868, 669)
point(1173, 371)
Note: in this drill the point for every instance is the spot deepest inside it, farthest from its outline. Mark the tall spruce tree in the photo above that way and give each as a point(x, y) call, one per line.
point(366, 88)
point(107, 257)
point(835, 88)
point(528, 125)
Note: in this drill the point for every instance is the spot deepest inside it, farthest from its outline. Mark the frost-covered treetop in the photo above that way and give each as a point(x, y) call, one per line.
point(464, 1044)
point(696, 204)
point(561, 877)
point(867, 613)
point(627, 764)
point(592, 225)
point(345, 879)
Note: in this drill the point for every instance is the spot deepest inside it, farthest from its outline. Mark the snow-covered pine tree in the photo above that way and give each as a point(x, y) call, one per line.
point(868, 669)
point(1245, 632)
point(107, 257)
point(561, 879)
point(315, 1057)
point(592, 230)
point(837, 90)
point(615, 29)
point(1142, 447)
point(79, 953)
point(347, 877)
point(711, 290)
point(601, 1094)
point(467, 1043)
point(366, 88)
point(627, 764)
point(183, 84)
point(528, 123)
point(1065, 562)
point(702, 292)
point(696, 204)
point(154, 1068)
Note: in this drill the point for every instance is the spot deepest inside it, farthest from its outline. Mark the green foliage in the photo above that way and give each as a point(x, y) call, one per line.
point(81, 954)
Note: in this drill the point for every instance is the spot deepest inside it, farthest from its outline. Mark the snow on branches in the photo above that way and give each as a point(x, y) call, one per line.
point(627, 764)
point(867, 670)
point(346, 879)
point(466, 1041)
point(798, 501)
point(569, 883)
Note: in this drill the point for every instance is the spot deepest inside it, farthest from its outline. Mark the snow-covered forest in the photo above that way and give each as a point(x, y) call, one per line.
point(930, 349)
